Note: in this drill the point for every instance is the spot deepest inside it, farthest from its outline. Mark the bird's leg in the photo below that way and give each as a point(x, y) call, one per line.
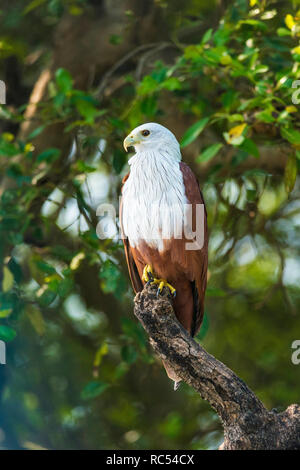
point(147, 274)
point(149, 278)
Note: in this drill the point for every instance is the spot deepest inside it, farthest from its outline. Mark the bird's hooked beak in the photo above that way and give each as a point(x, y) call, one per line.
point(130, 141)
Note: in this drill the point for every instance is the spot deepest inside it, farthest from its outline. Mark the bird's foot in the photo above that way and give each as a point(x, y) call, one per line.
point(149, 278)
point(163, 283)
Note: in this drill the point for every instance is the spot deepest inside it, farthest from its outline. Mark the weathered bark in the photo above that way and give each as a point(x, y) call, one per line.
point(247, 423)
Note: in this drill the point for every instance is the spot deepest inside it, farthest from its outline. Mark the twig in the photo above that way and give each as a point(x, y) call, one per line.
point(122, 61)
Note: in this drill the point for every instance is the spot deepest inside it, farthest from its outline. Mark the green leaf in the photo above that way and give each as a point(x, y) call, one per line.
point(37, 131)
point(5, 313)
point(250, 147)
point(64, 80)
point(147, 85)
point(7, 333)
point(49, 155)
point(93, 389)
point(193, 132)
point(209, 153)
point(256, 23)
point(36, 319)
point(101, 352)
point(32, 5)
point(290, 173)
point(82, 167)
point(207, 35)
point(115, 39)
point(8, 149)
point(129, 354)
point(45, 267)
point(291, 135)
point(8, 279)
point(87, 109)
point(283, 32)
point(112, 279)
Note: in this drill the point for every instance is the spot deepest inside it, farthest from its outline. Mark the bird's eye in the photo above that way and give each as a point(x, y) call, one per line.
point(145, 132)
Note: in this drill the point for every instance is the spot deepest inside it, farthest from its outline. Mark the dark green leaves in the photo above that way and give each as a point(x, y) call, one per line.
point(250, 147)
point(129, 354)
point(112, 280)
point(93, 389)
point(49, 155)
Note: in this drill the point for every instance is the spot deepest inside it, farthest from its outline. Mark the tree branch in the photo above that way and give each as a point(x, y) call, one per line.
point(247, 423)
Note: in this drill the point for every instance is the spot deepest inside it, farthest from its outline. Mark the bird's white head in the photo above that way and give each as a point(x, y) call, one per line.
point(153, 137)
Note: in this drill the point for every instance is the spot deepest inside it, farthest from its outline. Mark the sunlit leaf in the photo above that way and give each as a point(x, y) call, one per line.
point(289, 21)
point(5, 313)
point(101, 352)
point(76, 261)
point(8, 279)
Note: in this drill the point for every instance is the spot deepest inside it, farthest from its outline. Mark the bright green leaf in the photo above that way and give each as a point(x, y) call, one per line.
point(291, 135)
point(193, 132)
point(5, 313)
point(7, 333)
point(64, 80)
point(209, 153)
point(8, 279)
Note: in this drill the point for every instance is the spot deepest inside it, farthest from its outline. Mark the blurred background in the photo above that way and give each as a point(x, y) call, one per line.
point(79, 75)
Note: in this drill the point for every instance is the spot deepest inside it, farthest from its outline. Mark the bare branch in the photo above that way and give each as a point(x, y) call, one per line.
point(247, 423)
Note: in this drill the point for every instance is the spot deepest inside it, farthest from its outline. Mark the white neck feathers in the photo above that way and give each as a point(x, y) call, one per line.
point(153, 198)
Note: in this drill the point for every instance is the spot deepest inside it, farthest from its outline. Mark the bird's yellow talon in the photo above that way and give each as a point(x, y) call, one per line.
point(147, 273)
point(149, 278)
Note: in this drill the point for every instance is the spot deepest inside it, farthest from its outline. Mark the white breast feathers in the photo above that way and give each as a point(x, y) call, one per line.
point(153, 199)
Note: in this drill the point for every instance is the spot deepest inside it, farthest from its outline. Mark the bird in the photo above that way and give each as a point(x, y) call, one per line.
point(157, 228)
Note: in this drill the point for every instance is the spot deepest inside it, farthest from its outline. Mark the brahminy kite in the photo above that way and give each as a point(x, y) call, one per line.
point(160, 221)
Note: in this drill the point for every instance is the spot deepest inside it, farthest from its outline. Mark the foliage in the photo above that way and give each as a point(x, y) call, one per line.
point(77, 359)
